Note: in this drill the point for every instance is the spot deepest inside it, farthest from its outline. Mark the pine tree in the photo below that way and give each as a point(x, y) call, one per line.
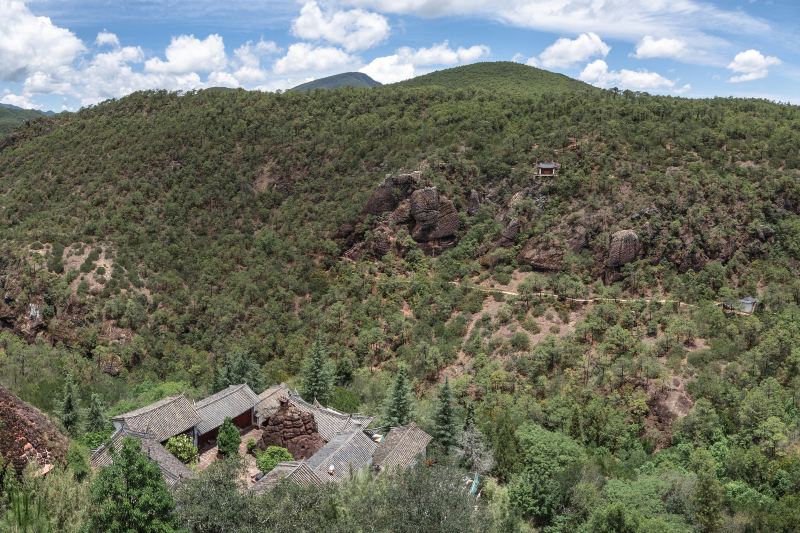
point(444, 433)
point(130, 495)
point(228, 439)
point(398, 410)
point(708, 492)
point(95, 418)
point(239, 367)
point(317, 375)
point(70, 408)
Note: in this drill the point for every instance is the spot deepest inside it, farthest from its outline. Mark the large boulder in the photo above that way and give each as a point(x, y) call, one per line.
point(425, 207)
point(28, 435)
point(625, 247)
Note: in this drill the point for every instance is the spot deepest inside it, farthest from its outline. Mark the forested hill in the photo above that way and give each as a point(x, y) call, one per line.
point(12, 116)
point(502, 76)
point(145, 240)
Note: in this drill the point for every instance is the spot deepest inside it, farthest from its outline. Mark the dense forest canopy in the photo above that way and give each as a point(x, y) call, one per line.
point(149, 241)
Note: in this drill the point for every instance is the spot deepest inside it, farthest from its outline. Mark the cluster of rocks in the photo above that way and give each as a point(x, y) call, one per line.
point(292, 429)
point(429, 216)
point(28, 436)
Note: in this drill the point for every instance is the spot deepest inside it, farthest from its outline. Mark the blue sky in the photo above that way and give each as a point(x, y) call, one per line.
point(65, 54)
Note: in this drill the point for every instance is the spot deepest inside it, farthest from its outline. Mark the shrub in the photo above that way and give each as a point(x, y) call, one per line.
point(251, 445)
point(520, 341)
point(228, 439)
point(270, 457)
point(182, 447)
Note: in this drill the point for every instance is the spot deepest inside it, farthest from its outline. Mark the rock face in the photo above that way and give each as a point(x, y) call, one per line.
point(541, 257)
point(292, 429)
point(434, 216)
point(430, 218)
point(389, 193)
point(625, 247)
point(474, 203)
point(509, 235)
point(28, 435)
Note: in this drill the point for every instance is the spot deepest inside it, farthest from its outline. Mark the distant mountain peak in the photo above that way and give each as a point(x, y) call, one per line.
point(337, 81)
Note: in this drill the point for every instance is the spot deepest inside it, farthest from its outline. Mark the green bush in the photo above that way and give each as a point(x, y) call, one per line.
point(182, 447)
point(270, 457)
point(228, 438)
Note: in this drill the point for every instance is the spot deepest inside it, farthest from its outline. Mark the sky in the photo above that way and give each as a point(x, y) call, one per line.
point(66, 54)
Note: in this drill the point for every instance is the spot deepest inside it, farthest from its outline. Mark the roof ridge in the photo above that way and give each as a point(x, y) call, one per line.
point(408, 429)
point(228, 391)
point(145, 409)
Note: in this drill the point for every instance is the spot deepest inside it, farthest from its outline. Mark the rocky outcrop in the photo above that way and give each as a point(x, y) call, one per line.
point(292, 429)
point(541, 257)
point(625, 247)
point(390, 193)
point(28, 435)
point(434, 216)
point(474, 203)
point(508, 237)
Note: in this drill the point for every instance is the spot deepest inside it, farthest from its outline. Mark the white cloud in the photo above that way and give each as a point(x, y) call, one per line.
point(248, 61)
point(106, 38)
point(751, 65)
point(354, 30)
point(597, 73)
point(402, 64)
point(18, 100)
point(651, 47)
point(29, 43)
point(566, 53)
point(186, 54)
point(698, 22)
point(304, 57)
point(389, 69)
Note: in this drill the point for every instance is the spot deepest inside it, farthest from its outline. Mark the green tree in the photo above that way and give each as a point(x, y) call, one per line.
point(228, 438)
point(216, 500)
point(270, 457)
point(707, 497)
point(614, 518)
point(239, 367)
point(130, 495)
point(399, 406)
point(444, 432)
point(552, 464)
point(317, 375)
point(96, 421)
point(70, 408)
point(78, 460)
point(701, 425)
point(182, 447)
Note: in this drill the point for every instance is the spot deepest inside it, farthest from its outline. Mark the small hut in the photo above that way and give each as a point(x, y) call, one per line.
point(748, 304)
point(547, 168)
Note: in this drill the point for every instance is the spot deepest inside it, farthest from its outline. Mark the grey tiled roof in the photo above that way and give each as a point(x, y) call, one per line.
point(329, 421)
point(402, 447)
point(548, 164)
point(162, 419)
point(173, 470)
point(269, 400)
point(227, 403)
point(346, 451)
point(295, 471)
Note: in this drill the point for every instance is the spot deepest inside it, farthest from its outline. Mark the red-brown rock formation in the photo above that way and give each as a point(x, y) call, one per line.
point(292, 429)
point(28, 435)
